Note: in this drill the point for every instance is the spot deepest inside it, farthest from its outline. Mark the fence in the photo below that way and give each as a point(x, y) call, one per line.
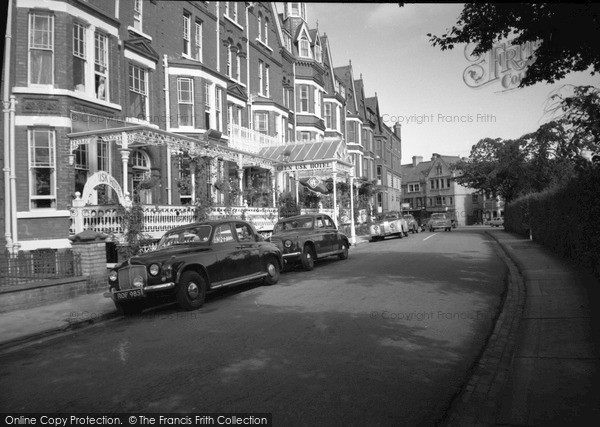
point(38, 265)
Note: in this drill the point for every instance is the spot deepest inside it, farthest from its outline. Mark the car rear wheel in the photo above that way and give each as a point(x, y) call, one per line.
point(308, 258)
point(344, 254)
point(192, 291)
point(273, 271)
point(129, 308)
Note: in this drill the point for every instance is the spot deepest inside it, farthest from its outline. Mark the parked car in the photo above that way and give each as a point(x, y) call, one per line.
point(496, 222)
point(191, 260)
point(439, 220)
point(306, 238)
point(388, 224)
point(413, 225)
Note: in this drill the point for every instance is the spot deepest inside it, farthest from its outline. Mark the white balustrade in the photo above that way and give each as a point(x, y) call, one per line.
point(158, 219)
point(250, 141)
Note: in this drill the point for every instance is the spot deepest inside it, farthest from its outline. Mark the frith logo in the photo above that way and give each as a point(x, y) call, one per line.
point(504, 63)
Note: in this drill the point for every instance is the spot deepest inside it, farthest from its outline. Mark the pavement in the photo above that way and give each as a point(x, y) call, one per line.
point(540, 365)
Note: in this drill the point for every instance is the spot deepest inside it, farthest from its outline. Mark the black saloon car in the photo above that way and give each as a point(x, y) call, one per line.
point(191, 260)
point(305, 238)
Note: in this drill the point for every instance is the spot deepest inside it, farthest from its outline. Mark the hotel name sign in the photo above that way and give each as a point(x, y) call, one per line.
point(305, 166)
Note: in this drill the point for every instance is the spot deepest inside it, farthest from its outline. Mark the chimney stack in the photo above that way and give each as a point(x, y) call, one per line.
point(398, 130)
point(417, 160)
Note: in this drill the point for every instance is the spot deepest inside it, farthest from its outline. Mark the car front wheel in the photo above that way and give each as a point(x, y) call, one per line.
point(308, 258)
point(273, 271)
point(344, 254)
point(192, 291)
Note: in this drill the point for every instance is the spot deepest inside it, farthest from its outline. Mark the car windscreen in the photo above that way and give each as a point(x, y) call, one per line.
point(193, 234)
point(438, 216)
point(293, 224)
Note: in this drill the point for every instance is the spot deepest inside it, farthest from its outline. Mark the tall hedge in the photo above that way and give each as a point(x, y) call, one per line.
point(565, 219)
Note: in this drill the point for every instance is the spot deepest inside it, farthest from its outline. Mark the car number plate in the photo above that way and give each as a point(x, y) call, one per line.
point(129, 294)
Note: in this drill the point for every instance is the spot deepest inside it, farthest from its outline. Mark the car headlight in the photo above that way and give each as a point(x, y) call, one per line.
point(113, 276)
point(287, 244)
point(154, 269)
point(138, 281)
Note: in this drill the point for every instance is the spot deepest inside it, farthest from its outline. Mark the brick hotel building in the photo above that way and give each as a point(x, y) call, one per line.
point(105, 99)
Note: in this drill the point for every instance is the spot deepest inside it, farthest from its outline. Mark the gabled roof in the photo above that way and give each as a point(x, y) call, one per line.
point(417, 173)
point(142, 47)
point(344, 73)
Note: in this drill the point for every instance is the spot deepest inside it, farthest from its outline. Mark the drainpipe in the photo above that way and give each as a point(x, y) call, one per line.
point(6, 110)
point(168, 128)
point(13, 177)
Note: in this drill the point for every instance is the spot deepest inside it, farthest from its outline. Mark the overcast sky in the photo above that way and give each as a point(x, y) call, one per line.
point(416, 82)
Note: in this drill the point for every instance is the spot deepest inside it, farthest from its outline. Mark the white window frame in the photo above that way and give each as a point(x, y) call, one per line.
point(101, 70)
point(228, 67)
point(187, 33)
point(141, 88)
point(138, 14)
point(219, 107)
point(34, 165)
point(304, 48)
point(185, 98)
point(261, 121)
point(46, 45)
point(260, 26)
point(266, 31)
point(328, 115)
point(80, 52)
point(267, 91)
point(207, 106)
point(261, 66)
point(238, 67)
point(302, 108)
point(198, 41)
point(318, 53)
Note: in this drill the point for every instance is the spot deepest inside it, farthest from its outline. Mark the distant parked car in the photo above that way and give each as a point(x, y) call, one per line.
point(496, 222)
point(191, 260)
point(413, 225)
point(388, 224)
point(306, 238)
point(439, 220)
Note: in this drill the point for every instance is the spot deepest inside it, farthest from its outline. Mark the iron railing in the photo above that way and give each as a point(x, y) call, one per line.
point(38, 266)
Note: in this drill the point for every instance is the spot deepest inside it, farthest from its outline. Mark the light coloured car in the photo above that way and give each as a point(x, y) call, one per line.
point(496, 222)
point(388, 224)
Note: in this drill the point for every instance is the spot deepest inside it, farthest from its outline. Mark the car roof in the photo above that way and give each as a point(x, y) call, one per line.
point(309, 215)
point(213, 223)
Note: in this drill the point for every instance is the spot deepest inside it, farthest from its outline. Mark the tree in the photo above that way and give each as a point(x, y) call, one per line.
point(512, 168)
point(568, 35)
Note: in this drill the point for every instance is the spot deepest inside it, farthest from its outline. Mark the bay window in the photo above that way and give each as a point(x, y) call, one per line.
point(185, 102)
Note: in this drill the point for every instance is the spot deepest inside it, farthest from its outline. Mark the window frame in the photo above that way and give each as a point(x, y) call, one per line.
point(50, 166)
point(187, 33)
point(188, 103)
point(143, 92)
point(33, 47)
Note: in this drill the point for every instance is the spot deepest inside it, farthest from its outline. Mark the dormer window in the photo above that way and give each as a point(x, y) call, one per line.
point(304, 48)
point(287, 39)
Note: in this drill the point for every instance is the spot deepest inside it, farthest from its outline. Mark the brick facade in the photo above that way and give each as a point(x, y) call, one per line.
point(148, 64)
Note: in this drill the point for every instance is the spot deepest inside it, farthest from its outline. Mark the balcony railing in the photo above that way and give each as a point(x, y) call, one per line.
point(158, 219)
point(250, 141)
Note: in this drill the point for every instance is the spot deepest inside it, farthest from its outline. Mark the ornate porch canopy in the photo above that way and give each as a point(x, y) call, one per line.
point(314, 158)
point(141, 135)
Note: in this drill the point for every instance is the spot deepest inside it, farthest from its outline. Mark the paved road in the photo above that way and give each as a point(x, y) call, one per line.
point(386, 337)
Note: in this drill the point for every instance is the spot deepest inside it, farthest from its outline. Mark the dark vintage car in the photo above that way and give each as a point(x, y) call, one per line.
point(191, 260)
point(439, 221)
point(305, 238)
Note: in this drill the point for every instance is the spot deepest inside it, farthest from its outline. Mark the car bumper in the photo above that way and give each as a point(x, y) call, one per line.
point(145, 289)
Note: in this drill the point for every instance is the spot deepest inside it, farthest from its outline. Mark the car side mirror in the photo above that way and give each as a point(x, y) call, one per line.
point(259, 237)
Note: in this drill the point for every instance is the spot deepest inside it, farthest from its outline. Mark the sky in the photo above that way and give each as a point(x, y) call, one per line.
point(421, 86)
